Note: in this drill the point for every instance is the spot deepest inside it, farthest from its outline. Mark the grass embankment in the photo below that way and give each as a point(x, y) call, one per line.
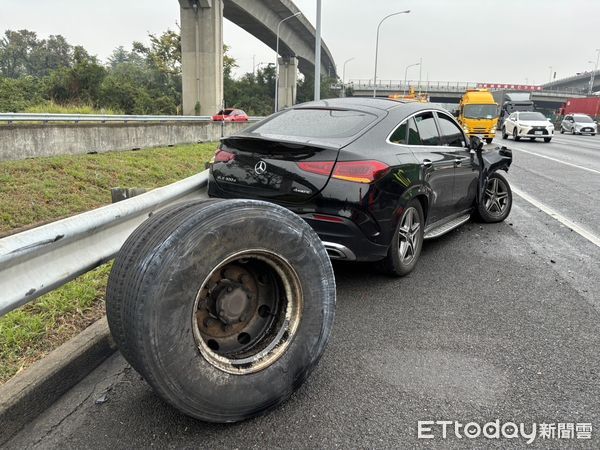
point(54, 108)
point(41, 190)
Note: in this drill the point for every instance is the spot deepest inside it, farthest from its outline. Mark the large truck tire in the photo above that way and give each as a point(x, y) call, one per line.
point(223, 306)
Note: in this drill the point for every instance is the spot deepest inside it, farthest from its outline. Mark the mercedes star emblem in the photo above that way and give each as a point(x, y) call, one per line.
point(260, 168)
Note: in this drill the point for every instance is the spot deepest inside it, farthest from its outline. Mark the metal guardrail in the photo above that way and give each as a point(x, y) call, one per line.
point(42, 259)
point(103, 118)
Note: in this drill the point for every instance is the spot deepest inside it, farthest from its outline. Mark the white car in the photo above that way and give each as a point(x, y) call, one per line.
point(526, 124)
point(579, 124)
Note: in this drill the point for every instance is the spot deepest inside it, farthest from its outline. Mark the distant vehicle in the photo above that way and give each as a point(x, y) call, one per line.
point(478, 114)
point(412, 95)
point(529, 125)
point(373, 177)
point(578, 124)
point(230, 115)
point(511, 102)
point(589, 106)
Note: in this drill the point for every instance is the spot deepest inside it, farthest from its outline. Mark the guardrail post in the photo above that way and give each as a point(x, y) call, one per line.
point(119, 194)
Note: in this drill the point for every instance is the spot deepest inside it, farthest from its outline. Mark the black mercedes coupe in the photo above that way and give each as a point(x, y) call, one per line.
point(373, 177)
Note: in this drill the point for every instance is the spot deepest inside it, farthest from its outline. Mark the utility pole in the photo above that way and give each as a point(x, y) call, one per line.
point(318, 54)
point(594, 72)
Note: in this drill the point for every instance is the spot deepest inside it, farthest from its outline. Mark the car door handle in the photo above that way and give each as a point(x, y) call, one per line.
point(457, 162)
point(426, 163)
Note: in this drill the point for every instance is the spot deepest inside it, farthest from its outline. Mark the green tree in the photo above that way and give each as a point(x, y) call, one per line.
point(164, 52)
point(15, 50)
point(79, 84)
point(22, 53)
point(18, 94)
point(306, 88)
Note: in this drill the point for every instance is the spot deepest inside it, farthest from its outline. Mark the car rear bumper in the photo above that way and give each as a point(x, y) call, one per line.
point(345, 240)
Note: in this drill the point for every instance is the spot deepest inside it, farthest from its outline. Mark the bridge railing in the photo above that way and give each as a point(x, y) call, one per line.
point(42, 259)
point(449, 86)
point(103, 118)
point(440, 86)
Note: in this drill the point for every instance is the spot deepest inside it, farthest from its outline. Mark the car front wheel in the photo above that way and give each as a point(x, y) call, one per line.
point(407, 242)
point(504, 133)
point(496, 202)
point(516, 136)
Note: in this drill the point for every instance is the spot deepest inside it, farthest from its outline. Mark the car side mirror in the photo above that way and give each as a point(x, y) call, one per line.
point(476, 143)
point(548, 119)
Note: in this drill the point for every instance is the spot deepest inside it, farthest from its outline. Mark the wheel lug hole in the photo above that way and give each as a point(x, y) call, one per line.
point(244, 338)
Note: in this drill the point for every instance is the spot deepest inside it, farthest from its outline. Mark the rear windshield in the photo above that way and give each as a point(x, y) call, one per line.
point(583, 119)
point(531, 116)
point(316, 123)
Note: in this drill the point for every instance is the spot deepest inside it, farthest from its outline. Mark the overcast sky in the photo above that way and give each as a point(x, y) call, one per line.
point(513, 41)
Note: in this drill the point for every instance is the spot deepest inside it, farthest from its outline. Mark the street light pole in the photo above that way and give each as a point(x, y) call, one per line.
point(377, 47)
point(551, 70)
point(420, 72)
point(318, 54)
point(277, 60)
point(406, 73)
point(344, 75)
point(594, 72)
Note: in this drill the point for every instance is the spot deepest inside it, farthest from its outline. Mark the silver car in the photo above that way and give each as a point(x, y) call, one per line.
point(578, 124)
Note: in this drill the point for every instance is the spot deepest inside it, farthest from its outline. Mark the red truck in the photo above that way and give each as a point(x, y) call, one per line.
point(589, 106)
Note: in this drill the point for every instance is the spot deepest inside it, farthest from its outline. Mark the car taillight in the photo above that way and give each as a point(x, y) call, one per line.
point(318, 167)
point(224, 156)
point(356, 171)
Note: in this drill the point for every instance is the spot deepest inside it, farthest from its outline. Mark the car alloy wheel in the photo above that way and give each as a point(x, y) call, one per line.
point(409, 235)
point(496, 197)
point(516, 136)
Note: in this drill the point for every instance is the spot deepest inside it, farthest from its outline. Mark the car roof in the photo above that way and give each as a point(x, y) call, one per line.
point(358, 103)
point(377, 106)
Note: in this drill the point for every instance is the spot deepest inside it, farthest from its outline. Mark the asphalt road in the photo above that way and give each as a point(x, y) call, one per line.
point(497, 322)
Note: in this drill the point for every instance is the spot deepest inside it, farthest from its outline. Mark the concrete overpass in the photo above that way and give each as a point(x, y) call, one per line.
point(202, 47)
point(577, 84)
point(452, 91)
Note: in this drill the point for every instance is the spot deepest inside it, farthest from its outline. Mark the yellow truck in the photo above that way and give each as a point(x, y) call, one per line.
point(478, 114)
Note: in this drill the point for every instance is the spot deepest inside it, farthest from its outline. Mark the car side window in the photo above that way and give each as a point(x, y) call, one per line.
point(413, 133)
point(451, 133)
point(427, 129)
point(399, 134)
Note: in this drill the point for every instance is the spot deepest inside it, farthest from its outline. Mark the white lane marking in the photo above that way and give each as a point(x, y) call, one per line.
point(562, 219)
point(557, 160)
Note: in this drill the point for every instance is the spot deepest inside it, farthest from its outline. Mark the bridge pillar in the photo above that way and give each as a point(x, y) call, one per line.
point(288, 82)
point(202, 56)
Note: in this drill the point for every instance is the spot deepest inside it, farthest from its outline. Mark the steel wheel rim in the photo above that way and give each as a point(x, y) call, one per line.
point(266, 293)
point(496, 197)
point(408, 232)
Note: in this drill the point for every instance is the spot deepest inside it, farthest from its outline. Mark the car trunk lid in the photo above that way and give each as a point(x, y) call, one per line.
point(263, 168)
